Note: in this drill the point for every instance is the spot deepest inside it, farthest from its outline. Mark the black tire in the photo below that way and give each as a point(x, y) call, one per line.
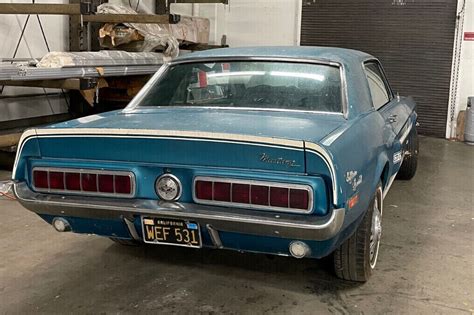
point(125, 242)
point(353, 260)
point(410, 160)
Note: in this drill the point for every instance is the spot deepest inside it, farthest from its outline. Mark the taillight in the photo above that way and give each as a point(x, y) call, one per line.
point(56, 180)
point(221, 191)
point(116, 183)
point(253, 194)
point(278, 197)
point(241, 193)
point(106, 183)
point(89, 182)
point(204, 190)
point(73, 181)
point(259, 195)
point(299, 199)
point(40, 179)
point(123, 185)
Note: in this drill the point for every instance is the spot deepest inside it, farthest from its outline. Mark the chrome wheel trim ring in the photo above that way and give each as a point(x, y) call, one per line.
point(375, 229)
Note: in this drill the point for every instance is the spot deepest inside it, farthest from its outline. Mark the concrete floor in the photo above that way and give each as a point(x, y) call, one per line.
point(425, 264)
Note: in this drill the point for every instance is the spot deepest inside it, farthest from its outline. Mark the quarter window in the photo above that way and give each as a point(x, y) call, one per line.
point(378, 87)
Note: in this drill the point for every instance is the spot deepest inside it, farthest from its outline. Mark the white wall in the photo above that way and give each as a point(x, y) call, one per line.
point(466, 75)
point(249, 22)
point(31, 46)
point(465, 83)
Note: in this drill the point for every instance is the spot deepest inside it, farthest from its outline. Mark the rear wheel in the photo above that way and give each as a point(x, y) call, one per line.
point(355, 259)
point(410, 159)
point(125, 242)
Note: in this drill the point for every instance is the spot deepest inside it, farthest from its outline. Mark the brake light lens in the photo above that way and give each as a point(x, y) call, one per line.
point(254, 194)
point(40, 179)
point(123, 185)
point(279, 197)
point(221, 191)
point(106, 183)
point(73, 181)
point(259, 195)
point(89, 182)
point(204, 190)
point(241, 193)
point(56, 180)
point(298, 199)
point(100, 182)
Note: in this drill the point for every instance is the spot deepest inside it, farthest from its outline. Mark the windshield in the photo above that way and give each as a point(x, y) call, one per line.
point(255, 84)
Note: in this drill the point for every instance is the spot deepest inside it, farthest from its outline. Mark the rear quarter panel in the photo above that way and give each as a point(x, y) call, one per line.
point(360, 155)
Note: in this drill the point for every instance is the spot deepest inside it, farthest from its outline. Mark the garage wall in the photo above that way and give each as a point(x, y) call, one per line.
point(249, 22)
point(465, 80)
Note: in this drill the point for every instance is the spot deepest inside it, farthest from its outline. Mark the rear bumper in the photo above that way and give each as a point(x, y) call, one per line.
point(215, 219)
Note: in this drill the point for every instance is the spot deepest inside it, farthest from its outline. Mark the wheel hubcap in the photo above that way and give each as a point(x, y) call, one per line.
point(376, 233)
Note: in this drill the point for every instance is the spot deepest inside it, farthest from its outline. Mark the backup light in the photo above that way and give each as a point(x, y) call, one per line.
point(61, 225)
point(299, 249)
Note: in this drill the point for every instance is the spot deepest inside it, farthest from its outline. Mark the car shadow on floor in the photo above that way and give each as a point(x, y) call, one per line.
point(221, 262)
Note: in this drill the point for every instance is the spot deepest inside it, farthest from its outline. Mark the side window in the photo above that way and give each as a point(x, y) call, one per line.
point(377, 85)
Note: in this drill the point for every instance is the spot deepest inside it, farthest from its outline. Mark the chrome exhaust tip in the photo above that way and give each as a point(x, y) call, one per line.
point(61, 225)
point(299, 249)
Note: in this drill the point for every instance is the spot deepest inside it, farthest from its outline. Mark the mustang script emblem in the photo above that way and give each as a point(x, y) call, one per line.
point(279, 160)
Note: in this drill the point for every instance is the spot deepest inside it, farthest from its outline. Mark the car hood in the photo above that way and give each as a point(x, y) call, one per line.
point(294, 125)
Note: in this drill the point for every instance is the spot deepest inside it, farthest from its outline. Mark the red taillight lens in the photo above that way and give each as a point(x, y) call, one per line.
point(241, 193)
point(203, 190)
point(253, 194)
point(299, 199)
point(123, 184)
point(73, 181)
point(40, 179)
point(221, 191)
point(279, 197)
point(89, 182)
point(259, 195)
point(106, 183)
point(56, 180)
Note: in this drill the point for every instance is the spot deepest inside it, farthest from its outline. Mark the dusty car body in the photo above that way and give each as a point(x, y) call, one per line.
point(279, 150)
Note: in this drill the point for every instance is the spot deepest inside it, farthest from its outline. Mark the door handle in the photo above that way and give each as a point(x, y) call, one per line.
point(392, 118)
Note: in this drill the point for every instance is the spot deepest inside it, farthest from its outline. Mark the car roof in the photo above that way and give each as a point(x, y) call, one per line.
point(331, 54)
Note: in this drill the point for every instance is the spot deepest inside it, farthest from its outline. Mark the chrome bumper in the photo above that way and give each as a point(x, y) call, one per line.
point(304, 227)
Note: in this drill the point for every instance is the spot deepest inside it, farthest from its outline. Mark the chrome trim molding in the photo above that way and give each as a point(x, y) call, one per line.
point(404, 136)
point(85, 171)
point(294, 226)
point(319, 150)
point(215, 238)
point(249, 205)
point(132, 230)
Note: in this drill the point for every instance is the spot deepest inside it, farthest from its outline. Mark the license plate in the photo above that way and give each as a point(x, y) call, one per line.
point(171, 232)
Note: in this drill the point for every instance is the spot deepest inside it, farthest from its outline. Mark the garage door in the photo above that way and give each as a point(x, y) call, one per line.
point(412, 38)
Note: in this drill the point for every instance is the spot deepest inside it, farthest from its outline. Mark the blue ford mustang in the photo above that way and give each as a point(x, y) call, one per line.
point(279, 150)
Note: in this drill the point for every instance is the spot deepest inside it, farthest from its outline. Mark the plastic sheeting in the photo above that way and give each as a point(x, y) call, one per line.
point(99, 59)
point(155, 35)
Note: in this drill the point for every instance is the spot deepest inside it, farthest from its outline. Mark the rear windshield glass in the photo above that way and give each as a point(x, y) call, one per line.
point(279, 85)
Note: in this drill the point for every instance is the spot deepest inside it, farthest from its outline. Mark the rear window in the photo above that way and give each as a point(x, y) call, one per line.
point(256, 84)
